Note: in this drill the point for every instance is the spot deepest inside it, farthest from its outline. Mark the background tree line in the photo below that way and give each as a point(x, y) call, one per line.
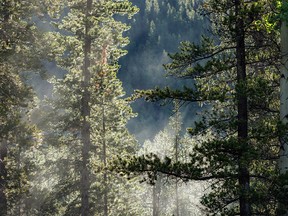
point(57, 149)
point(237, 70)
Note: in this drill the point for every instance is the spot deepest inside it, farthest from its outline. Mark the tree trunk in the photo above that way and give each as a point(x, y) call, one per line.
point(3, 177)
point(242, 109)
point(177, 154)
point(3, 143)
point(156, 196)
point(177, 199)
point(19, 205)
point(85, 112)
point(104, 156)
point(283, 162)
point(283, 157)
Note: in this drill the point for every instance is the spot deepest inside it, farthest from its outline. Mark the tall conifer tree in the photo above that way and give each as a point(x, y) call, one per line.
point(235, 76)
point(90, 113)
point(18, 54)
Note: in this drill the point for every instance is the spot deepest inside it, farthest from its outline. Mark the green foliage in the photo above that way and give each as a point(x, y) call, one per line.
point(90, 42)
point(19, 52)
point(213, 65)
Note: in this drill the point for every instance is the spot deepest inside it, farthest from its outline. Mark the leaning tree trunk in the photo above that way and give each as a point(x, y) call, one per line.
point(85, 113)
point(242, 109)
point(283, 159)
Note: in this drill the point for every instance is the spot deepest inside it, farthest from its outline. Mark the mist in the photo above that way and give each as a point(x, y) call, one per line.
point(142, 67)
point(70, 120)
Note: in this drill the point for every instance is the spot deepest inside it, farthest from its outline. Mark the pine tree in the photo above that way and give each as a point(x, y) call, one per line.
point(235, 73)
point(19, 53)
point(88, 115)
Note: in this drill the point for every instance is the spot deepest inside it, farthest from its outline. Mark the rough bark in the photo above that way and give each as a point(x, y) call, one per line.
point(283, 162)
point(3, 144)
point(85, 112)
point(3, 177)
point(242, 109)
point(283, 157)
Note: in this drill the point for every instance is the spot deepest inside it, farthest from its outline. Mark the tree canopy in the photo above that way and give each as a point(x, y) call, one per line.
point(236, 73)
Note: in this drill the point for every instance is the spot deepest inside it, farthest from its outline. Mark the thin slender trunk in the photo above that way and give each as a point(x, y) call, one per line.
point(244, 179)
point(19, 180)
point(156, 196)
point(3, 177)
point(177, 199)
point(154, 202)
point(85, 112)
point(177, 157)
point(104, 157)
point(283, 159)
point(105, 178)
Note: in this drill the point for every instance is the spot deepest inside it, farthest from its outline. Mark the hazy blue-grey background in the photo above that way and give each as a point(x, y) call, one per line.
point(156, 30)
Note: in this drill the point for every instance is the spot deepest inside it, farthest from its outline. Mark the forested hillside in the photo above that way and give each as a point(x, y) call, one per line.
point(126, 108)
point(156, 30)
